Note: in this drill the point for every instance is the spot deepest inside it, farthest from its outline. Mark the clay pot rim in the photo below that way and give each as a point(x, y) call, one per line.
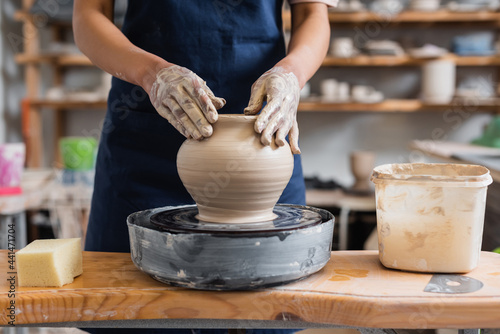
point(237, 117)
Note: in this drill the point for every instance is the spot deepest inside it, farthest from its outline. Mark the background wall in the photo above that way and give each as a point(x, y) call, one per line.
point(326, 138)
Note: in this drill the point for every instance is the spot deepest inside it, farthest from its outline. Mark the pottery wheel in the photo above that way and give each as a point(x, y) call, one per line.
point(184, 220)
point(174, 247)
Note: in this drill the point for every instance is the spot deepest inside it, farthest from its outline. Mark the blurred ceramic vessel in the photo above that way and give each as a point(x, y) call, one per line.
point(438, 81)
point(231, 176)
point(362, 163)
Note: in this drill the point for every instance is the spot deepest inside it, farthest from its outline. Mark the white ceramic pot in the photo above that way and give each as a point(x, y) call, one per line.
point(438, 81)
point(425, 5)
point(231, 176)
point(329, 90)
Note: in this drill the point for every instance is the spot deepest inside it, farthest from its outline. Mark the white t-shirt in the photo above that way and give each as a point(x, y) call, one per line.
point(329, 3)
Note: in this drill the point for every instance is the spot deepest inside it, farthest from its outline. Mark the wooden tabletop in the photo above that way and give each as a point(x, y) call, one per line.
point(352, 290)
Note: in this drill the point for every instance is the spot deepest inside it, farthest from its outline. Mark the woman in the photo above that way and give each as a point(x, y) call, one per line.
point(165, 48)
point(183, 62)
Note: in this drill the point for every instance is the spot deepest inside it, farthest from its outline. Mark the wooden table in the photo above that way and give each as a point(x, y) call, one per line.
point(352, 290)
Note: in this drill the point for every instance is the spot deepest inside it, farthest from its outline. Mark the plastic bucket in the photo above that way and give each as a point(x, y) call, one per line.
point(430, 217)
point(78, 153)
point(11, 164)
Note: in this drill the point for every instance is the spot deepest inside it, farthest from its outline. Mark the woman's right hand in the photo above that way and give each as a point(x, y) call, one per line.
point(184, 99)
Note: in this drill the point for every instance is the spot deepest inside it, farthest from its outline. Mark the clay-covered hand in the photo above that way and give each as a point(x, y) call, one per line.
point(184, 99)
point(281, 90)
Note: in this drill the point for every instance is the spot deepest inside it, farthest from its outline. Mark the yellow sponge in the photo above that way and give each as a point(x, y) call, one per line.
point(49, 262)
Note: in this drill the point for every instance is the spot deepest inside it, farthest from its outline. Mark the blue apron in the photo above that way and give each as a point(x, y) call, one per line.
point(227, 43)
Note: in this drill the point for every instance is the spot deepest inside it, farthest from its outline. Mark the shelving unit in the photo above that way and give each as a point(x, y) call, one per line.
point(25, 15)
point(412, 17)
point(441, 16)
point(54, 59)
point(407, 60)
point(488, 19)
point(32, 58)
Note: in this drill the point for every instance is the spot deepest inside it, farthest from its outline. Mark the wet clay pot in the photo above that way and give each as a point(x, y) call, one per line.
point(231, 176)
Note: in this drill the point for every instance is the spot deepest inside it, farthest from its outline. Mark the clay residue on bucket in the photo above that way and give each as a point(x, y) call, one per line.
point(415, 240)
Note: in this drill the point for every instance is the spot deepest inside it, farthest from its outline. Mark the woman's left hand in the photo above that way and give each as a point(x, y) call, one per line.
point(280, 88)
